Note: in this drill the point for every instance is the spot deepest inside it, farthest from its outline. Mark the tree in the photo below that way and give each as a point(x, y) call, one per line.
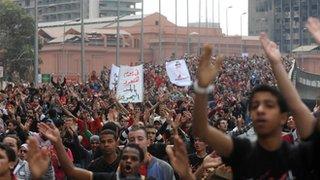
point(16, 41)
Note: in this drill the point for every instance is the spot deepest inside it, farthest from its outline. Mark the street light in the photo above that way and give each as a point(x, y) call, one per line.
point(142, 34)
point(244, 13)
point(118, 34)
point(199, 28)
point(227, 18)
point(188, 40)
point(227, 24)
point(176, 29)
point(160, 32)
point(302, 47)
point(36, 44)
point(219, 24)
point(83, 77)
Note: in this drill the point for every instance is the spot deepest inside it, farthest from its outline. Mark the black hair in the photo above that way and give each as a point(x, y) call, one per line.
point(272, 90)
point(9, 152)
point(137, 147)
point(108, 132)
point(111, 126)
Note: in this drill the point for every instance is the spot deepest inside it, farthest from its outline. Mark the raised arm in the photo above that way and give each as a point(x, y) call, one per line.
point(38, 159)
point(207, 72)
point(179, 159)
point(313, 26)
point(302, 115)
point(52, 133)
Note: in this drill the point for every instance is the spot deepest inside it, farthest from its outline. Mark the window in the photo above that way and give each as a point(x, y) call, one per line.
point(27, 2)
point(157, 23)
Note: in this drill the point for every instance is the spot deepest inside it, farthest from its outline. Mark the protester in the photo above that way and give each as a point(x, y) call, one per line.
point(84, 125)
point(131, 159)
point(152, 166)
point(109, 160)
point(196, 159)
point(268, 111)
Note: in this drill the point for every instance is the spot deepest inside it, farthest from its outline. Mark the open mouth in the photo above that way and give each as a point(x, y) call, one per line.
point(128, 169)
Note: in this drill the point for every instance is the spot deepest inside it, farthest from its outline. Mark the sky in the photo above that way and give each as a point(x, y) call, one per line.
point(238, 7)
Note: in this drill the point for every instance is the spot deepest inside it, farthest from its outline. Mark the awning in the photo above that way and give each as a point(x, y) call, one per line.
point(306, 48)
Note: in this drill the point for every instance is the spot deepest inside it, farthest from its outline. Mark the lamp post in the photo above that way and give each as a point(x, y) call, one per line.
point(241, 30)
point(213, 13)
point(83, 77)
point(227, 24)
point(188, 39)
point(36, 44)
point(142, 33)
point(160, 33)
point(199, 28)
point(118, 34)
point(206, 15)
point(176, 29)
point(219, 25)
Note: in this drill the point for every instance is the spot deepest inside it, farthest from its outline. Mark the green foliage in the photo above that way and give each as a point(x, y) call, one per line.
point(17, 39)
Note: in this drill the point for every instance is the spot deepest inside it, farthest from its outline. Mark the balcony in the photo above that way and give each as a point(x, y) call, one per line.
point(57, 3)
point(123, 9)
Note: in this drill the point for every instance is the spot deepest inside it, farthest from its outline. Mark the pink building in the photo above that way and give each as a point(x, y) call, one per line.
point(61, 51)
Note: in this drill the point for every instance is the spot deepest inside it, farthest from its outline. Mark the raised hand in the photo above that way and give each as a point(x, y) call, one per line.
point(177, 121)
point(38, 159)
point(179, 159)
point(50, 131)
point(211, 162)
point(207, 72)
point(313, 25)
point(270, 48)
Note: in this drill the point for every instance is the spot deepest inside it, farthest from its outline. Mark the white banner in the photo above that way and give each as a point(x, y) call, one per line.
point(114, 74)
point(130, 84)
point(178, 73)
point(245, 55)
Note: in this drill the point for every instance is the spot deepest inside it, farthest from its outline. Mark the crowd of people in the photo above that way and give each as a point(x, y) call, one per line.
point(65, 130)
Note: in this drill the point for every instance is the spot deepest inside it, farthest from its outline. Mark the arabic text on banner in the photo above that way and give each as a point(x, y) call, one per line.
point(130, 84)
point(178, 73)
point(114, 74)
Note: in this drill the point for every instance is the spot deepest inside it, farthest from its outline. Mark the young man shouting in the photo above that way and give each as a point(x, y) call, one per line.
point(269, 157)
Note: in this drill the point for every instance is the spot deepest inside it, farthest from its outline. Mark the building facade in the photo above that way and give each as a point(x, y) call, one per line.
point(66, 10)
point(61, 51)
point(261, 17)
point(108, 8)
point(283, 20)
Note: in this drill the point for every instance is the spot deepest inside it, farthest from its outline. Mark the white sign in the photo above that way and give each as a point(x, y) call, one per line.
point(1, 71)
point(178, 73)
point(130, 84)
point(39, 78)
point(114, 74)
point(245, 55)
